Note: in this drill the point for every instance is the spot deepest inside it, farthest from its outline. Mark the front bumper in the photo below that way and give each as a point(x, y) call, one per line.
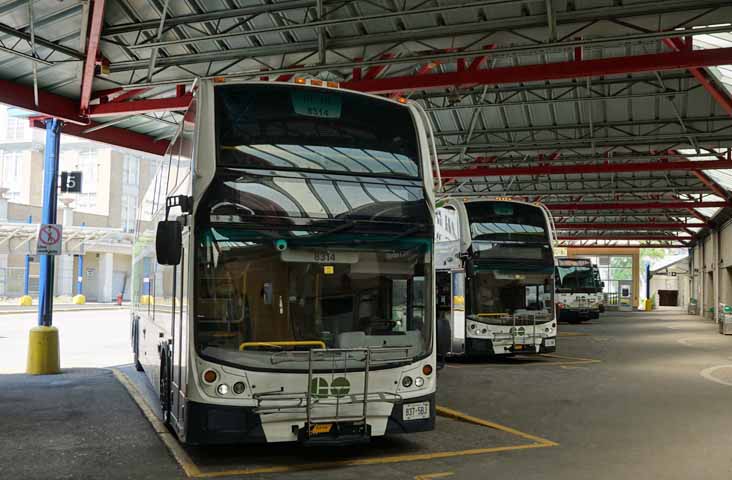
point(209, 424)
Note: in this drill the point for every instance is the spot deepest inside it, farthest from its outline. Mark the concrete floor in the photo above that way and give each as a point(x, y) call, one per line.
point(643, 395)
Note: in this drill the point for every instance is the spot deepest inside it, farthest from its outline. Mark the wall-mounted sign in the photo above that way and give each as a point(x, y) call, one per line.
point(71, 182)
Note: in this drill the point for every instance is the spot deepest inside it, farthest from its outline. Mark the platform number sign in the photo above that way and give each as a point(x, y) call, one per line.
point(71, 182)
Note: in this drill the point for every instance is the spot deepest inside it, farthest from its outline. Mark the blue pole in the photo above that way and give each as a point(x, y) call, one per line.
point(80, 272)
point(48, 215)
point(80, 277)
point(26, 277)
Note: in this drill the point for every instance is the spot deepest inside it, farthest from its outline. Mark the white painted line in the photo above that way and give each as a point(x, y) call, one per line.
point(708, 373)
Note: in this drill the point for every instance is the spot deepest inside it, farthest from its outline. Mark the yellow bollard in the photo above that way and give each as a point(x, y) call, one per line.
point(26, 301)
point(79, 299)
point(43, 353)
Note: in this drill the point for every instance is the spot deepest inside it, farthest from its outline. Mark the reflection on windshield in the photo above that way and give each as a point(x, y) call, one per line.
point(575, 277)
point(497, 295)
point(254, 299)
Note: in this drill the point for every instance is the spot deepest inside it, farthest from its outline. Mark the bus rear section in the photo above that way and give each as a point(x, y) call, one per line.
point(300, 305)
point(577, 295)
point(506, 303)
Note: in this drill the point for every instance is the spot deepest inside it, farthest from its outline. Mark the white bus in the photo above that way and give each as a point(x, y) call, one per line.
point(577, 290)
point(283, 285)
point(495, 276)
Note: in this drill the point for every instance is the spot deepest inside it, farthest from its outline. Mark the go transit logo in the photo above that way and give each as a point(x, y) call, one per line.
point(339, 387)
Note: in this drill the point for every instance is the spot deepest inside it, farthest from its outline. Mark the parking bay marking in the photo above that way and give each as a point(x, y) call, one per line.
point(563, 360)
point(193, 471)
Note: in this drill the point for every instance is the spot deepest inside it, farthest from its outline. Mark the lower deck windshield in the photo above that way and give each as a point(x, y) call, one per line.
point(575, 279)
point(263, 301)
point(510, 294)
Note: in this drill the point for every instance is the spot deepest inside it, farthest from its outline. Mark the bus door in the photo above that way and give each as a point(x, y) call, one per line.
point(451, 306)
point(179, 332)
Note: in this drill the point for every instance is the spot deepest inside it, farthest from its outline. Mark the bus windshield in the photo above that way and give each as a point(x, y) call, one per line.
point(498, 294)
point(263, 293)
point(575, 277)
point(291, 127)
point(506, 222)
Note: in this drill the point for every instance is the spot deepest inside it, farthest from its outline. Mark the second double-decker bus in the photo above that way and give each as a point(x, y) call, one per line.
point(283, 268)
point(577, 297)
point(499, 298)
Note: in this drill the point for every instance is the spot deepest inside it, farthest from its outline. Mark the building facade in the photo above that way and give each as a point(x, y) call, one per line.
point(112, 181)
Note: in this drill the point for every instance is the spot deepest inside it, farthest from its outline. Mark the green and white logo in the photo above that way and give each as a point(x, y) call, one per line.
point(339, 387)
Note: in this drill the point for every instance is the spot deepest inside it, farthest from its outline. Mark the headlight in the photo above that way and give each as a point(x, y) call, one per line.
point(223, 389)
point(418, 382)
point(407, 381)
point(239, 388)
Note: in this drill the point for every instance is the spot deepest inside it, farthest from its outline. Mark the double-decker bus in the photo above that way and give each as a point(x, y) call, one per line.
point(495, 276)
point(577, 297)
point(283, 285)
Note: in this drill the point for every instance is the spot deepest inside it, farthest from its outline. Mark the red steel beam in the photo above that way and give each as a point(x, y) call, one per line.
point(596, 168)
point(629, 226)
point(49, 104)
point(721, 97)
point(710, 184)
point(140, 106)
point(625, 237)
point(115, 136)
point(648, 245)
point(96, 21)
point(670, 205)
point(551, 71)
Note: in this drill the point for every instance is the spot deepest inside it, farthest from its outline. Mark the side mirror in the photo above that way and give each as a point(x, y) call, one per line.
point(169, 242)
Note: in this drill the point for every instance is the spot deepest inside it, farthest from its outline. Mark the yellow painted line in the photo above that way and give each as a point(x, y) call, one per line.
point(563, 360)
point(193, 471)
point(371, 461)
point(572, 360)
point(431, 476)
point(170, 441)
point(460, 416)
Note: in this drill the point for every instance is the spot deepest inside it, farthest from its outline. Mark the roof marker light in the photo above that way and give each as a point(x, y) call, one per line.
point(402, 100)
point(333, 84)
point(299, 80)
point(316, 82)
point(219, 79)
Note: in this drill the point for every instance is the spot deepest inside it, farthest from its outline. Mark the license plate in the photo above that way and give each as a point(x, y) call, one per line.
point(416, 411)
point(550, 342)
point(320, 428)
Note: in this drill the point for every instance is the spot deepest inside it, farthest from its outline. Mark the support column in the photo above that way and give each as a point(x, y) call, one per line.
point(65, 275)
point(106, 274)
point(26, 300)
point(43, 353)
point(4, 275)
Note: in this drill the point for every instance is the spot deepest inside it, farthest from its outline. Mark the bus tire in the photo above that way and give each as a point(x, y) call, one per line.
point(165, 385)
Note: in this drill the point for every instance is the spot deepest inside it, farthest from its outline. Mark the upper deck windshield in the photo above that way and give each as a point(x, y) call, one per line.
point(575, 276)
point(508, 230)
point(291, 127)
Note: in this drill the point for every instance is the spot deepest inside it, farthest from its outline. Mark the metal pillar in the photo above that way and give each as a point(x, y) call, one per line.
point(80, 276)
point(48, 215)
point(26, 276)
point(648, 281)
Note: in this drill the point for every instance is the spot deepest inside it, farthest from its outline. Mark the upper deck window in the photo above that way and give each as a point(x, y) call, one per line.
point(289, 127)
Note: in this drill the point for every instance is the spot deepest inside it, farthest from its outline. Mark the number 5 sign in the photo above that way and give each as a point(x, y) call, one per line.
point(71, 182)
point(49, 239)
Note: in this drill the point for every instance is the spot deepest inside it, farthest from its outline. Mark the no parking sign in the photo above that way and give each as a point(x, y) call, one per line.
point(49, 239)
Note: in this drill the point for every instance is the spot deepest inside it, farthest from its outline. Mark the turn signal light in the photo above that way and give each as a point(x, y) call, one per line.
point(209, 376)
point(427, 370)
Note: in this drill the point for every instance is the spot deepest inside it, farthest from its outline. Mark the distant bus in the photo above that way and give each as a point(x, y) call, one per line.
point(599, 288)
point(577, 298)
point(495, 276)
point(283, 277)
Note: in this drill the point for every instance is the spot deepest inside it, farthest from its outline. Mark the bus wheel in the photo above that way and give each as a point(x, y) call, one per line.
point(165, 398)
